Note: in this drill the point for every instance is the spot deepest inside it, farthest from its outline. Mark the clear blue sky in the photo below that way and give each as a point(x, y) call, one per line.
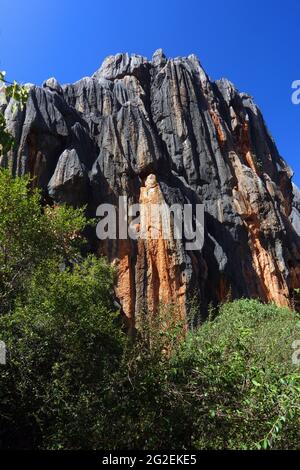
point(254, 43)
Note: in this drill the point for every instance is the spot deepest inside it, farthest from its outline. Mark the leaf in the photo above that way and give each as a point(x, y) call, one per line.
point(257, 384)
point(266, 444)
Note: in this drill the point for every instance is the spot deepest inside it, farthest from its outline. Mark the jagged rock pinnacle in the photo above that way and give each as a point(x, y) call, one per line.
point(164, 120)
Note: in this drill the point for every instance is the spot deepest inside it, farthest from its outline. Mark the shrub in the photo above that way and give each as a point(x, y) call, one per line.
point(231, 384)
point(30, 235)
point(238, 376)
point(74, 380)
point(62, 344)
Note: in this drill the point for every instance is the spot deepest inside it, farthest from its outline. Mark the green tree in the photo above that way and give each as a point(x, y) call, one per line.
point(58, 322)
point(17, 93)
point(239, 379)
point(29, 235)
point(63, 344)
point(231, 384)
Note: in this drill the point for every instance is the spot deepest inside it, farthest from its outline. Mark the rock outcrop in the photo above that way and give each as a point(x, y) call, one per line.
point(161, 130)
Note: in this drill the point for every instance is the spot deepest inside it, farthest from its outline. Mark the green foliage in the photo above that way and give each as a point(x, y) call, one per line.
point(30, 235)
point(74, 380)
point(63, 343)
point(231, 384)
point(19, 95)
point(6, 139)
point(143, 408)
point(248, 388)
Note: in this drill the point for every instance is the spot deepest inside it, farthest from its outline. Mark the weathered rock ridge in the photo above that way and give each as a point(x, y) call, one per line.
point(202, 142)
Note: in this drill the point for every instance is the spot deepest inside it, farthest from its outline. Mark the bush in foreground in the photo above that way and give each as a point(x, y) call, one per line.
point(30, 235)
point(63, 343)
point(74, 380)
point(231, 384)
point(240, 378)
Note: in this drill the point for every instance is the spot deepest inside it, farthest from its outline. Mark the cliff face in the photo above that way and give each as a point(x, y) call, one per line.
point(161, 130)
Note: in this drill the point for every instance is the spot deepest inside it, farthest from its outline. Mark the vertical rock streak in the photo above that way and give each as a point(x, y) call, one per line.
point(162, 131)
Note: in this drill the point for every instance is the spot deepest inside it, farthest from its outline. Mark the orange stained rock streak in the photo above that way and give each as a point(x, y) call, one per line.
point(272, 282)
point(164, 279)
point(221, 136)
point(125, 289)
point(273, 286)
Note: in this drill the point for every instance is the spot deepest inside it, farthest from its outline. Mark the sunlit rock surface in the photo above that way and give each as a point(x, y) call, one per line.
point(199, 141)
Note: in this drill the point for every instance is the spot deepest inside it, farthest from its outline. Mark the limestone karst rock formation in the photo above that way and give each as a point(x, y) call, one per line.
point(101, 137)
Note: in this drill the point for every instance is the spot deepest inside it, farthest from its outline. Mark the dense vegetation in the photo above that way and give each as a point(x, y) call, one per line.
point(18, 95)
point(74, 379)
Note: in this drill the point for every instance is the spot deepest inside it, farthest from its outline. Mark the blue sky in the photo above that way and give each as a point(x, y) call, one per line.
point(255, 44)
